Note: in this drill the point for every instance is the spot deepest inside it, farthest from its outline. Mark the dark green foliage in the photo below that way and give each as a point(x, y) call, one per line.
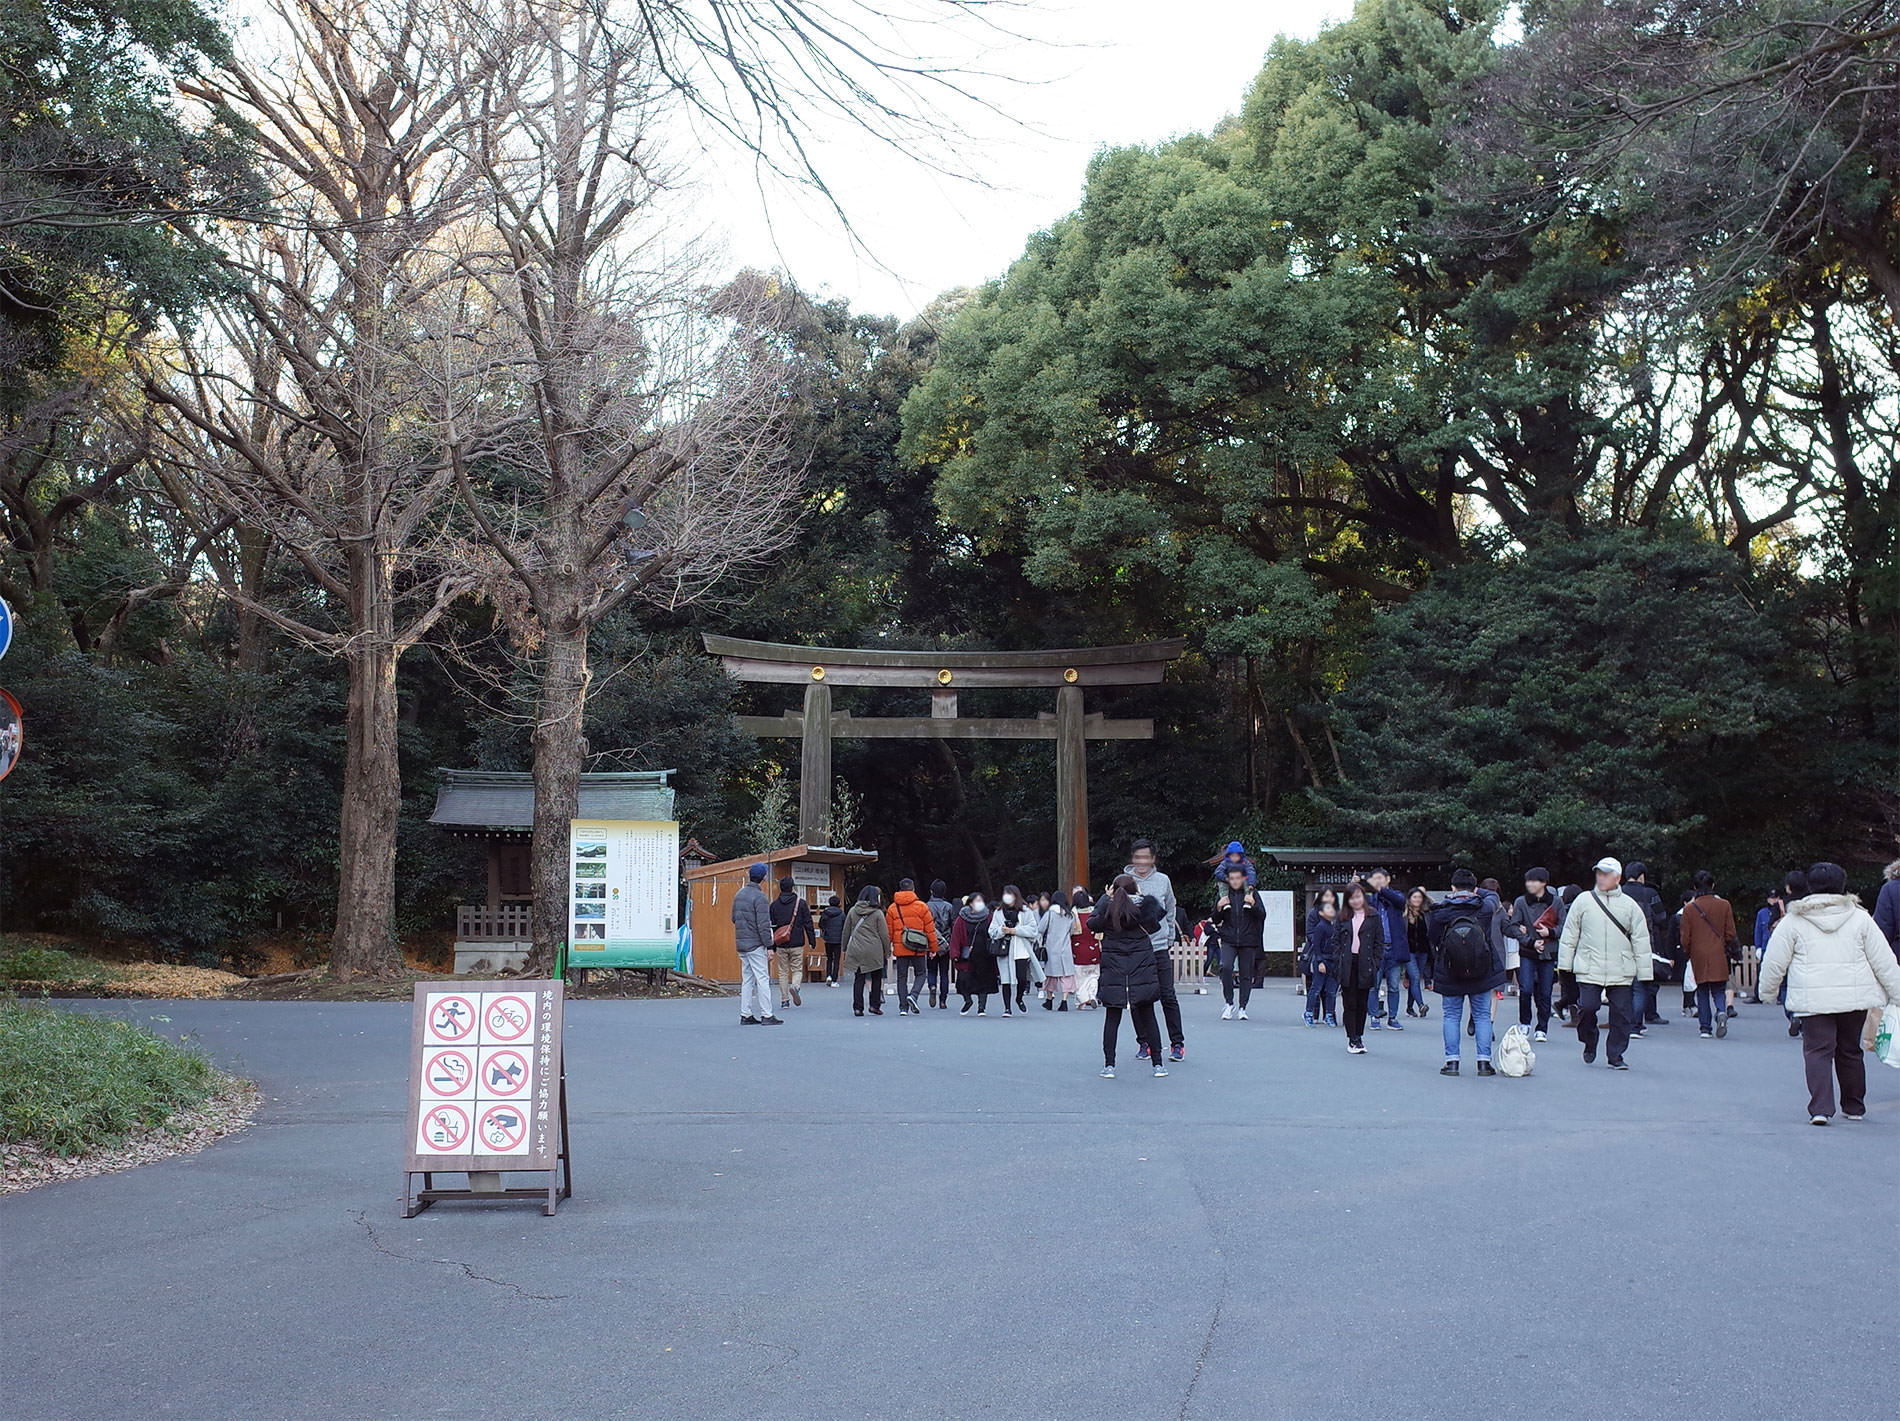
point(72, 1084)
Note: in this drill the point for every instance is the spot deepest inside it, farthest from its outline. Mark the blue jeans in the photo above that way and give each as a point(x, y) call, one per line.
point(1414, 982)
point(1454, 1012)
point(1534, 979)
point(1644, 1000)
point(1711, 1003)
point(1318, 985)
point(1392, 975)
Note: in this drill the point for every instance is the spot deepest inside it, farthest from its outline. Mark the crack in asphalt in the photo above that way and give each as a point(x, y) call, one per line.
point(468, 1270)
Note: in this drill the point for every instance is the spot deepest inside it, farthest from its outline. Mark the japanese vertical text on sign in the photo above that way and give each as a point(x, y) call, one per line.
point(485, 1076)
point(623, 908)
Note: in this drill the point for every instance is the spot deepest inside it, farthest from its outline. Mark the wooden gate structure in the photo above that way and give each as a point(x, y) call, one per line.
point(944, 673)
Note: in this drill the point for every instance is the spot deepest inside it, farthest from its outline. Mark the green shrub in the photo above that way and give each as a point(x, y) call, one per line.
point(72, 1083)
point(47, 966)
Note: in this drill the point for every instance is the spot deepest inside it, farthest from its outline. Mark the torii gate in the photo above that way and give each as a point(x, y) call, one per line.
point(944, 673)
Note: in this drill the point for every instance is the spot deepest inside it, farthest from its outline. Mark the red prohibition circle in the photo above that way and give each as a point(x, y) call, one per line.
point(436, 1066)
point(494, 1005)
point(440, 1114)
point(509, 1083)
point(447, 1031)
point(511, 1134)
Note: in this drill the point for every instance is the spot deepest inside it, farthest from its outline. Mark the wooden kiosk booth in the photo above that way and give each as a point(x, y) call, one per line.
point(818, 872)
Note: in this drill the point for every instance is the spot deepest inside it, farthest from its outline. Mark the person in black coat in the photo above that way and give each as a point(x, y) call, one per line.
point(1126, 921)
point(1240, 915)
point(1357, 955)
point(831, 929)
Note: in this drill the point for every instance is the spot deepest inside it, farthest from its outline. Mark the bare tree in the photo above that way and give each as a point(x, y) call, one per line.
point(646, 462)
point(297, 406)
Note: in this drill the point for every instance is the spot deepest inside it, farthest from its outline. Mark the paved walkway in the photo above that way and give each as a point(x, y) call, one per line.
point(959, 1218)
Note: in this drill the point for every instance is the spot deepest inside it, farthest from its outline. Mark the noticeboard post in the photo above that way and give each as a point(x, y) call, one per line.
point(487, 1092)
point(623, 887)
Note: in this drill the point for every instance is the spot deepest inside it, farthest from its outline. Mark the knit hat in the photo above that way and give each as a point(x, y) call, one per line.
point(757, 873)
point(1236, 847)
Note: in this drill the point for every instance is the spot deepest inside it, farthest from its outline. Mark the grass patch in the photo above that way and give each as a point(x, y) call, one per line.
point(72, 1084)
point(25, 965)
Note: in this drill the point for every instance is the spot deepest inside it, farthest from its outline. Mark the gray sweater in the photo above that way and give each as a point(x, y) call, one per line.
point(1158, 886)
point(751, 919)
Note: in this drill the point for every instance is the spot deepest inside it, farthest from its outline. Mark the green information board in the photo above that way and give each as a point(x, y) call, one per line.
point(623, 908)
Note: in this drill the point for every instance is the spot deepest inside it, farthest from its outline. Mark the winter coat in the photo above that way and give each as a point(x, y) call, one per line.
point(1595, 949)
point(1022, 935)
point(1833, 956)
point(944, 914)
point(1765, 919)
point(1356, 969)
point(867, 939)
point(1058, 932)
point(1520, 924)
point(1130, 974)
point(1887, 913)
point(1418, 938)
point(1480, 905)
point(751, 919)
point(831, 925)
point(1706, 942)
point(1389, 904)
point(1319, 943)
point(1240, 925)
point(907, 910)
point(1243, 862)
point(789, 908)
point(977, 973)
point(1650, 901)
point(1088, 947)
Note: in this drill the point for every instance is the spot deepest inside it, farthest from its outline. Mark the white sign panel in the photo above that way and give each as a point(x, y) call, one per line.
point(1277, 934)
point(624, 882)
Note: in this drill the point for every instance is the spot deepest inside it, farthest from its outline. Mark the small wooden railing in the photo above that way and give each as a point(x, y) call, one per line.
point(511, 922)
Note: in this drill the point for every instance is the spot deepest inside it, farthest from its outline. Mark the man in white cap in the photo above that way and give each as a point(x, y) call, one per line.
point(752, 935)
point(1605, 946)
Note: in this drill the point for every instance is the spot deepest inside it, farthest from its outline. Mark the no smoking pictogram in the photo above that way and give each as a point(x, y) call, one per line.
point(504, 1073)
point(507, 1018)
point(445, 1129)
point(451, 1018)
point(448, 1073)
point(503, 1129)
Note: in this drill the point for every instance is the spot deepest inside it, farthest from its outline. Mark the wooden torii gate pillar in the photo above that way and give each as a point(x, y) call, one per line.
point(944, 673)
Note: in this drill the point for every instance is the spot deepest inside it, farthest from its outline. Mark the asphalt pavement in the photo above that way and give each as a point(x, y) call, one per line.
point(949, 1217)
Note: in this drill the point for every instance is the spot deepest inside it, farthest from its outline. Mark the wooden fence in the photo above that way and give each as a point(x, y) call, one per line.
point(477, 922)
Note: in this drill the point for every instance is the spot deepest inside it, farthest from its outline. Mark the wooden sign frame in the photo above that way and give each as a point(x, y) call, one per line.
point(485, 1060)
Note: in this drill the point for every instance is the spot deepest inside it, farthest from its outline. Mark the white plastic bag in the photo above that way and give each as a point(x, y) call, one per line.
point(1887, 1039)
point(1514, 1054)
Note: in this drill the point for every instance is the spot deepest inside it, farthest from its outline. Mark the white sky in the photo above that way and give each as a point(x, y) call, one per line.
point(1118, 72)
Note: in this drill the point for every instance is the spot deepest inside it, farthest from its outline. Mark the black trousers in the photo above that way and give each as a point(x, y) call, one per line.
point(1237, 968)
point(1622, 1000)
point(876, 983)
point(1170, 1004)
point(937, 975)
point(834, 951)
point(1146, 1030)
point(1352, 1008)
point(1830, 1046)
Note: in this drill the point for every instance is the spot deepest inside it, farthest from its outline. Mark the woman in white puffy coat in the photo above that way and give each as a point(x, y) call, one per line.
point(1838, 966)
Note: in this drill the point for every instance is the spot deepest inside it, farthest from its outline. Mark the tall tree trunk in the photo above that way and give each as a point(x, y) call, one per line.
point(364, 944)
point(558, 748)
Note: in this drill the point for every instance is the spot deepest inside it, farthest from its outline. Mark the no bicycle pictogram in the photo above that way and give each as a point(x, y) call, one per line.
point(451, 1018)
point(448, 1073)
point(445, 1129)
point(507, 1018)
point(504, 1073)
point(504, 1128)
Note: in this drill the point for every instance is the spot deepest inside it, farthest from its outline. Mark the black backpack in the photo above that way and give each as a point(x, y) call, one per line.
point(1464, 952)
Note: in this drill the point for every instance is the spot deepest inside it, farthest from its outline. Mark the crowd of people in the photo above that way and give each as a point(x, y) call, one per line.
point(1595, 959)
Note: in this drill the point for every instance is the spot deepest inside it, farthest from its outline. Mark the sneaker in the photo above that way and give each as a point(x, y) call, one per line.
point(964, 1010)
point(980, 1011)
point(771, 1021)
point(1353, 1048)
point(1142, 1054)
point(1160, 1070)
point(1108, 1073)
point(1817, 1120)
point(797, 1000)
point(748, 1021)
point(1857, 1119)
point(1424, 1012)
point(1541, 1037)
point(1178, 1053)
point(1619, 1065)
point(1485, 1068)
point(911, 1002)
point(1241, 1014)
point(1794, 1028)
point(1450, 1068)
point(1007, 1012)
point(1376, 1024)
point(1393, 1025)
point(1410, 1010)
point(1228, 1013)
point(1721, 1026)
point(1308, 1017)
point(1589, 1055)
point(1331, 1020)
point(1707, 1035)
point(1731, 1013)
point(1639, 1034)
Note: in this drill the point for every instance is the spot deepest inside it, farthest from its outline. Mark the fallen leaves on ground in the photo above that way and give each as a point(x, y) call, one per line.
point(188, 1131)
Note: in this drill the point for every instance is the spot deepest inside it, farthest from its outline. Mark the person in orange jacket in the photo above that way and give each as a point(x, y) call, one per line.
point(913, 939)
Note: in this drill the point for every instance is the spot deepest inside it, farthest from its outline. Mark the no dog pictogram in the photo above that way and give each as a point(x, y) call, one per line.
point(507, 1018)
point(504, 1073)
point(504, 1129)
point(448, 1073)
